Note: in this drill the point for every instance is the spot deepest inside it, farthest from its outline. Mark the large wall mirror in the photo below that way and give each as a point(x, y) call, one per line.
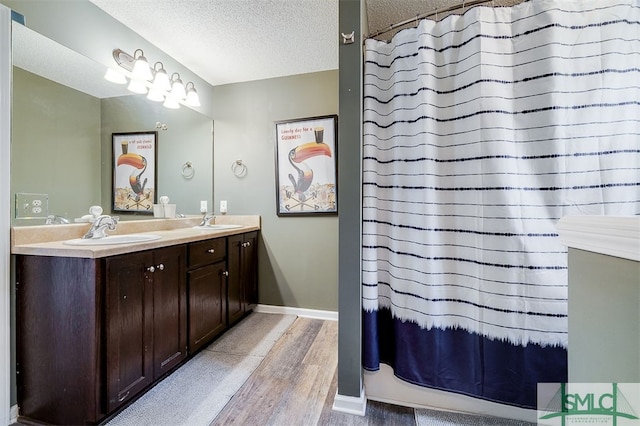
point(63, 116)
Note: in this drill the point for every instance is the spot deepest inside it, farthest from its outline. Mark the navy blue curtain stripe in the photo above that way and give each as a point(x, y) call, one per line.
point(505, 374)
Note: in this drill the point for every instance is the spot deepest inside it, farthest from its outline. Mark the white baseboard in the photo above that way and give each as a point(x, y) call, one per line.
point(350, 404)
point(301, 312)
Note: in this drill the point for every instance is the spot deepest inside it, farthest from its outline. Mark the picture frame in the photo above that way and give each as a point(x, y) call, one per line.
point(307, 166)
point(134, 168)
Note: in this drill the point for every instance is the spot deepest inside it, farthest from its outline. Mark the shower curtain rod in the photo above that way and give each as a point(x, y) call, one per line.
point(460, 5)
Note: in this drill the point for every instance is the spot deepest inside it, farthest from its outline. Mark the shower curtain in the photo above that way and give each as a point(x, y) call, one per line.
point(480, 132)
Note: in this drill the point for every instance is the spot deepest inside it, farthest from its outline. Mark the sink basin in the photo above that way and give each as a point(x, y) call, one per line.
point(216, 227)
point(113, 239)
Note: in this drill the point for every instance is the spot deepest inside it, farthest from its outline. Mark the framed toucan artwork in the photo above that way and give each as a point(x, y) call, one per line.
point(134, 172)
point(306, 166)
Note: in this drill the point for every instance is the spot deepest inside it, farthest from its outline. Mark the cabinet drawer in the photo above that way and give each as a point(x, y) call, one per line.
point(205, 252)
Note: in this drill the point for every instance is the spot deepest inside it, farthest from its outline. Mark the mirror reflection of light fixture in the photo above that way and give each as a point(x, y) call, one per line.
point(115, 76)
point(141, 69)
point(155, 95)
point(177, 87)
point(192, 95)
point(171, 103)
point(161, 80)
point(137, 86)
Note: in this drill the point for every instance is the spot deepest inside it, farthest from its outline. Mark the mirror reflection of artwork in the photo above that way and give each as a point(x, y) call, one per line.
point(134, 172)
point(306, 164)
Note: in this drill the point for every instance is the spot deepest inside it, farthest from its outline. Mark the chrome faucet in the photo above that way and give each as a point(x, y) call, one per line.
point(100, 225)
point(52, 218)
point(208, 219)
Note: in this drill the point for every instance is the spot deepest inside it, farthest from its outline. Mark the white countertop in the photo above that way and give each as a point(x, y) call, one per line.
point(48, 240)
point(617, 236)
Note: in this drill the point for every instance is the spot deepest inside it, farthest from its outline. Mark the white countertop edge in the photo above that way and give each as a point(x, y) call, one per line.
point(617, 236)
point(48, 240)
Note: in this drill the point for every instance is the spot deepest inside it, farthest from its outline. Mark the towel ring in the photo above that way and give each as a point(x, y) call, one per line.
point(187, 170)
point(238, 168)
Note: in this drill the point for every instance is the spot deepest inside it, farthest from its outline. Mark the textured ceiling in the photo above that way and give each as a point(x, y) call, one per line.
point(227, 41)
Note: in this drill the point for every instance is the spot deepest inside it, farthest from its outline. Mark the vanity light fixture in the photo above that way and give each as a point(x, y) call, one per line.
point(153, 81)
point(141, 69)
point(161, 80)
point(155, 95)
point(177, 87)
point(171, 103)
point(192, 95)
point(136, 86)
point(115, 76)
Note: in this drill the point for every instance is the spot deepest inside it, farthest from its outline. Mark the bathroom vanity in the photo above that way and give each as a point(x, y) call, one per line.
point(97, 326)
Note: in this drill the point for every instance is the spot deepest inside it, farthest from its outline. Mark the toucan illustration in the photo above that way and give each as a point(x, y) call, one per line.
point(297, 156)
point(140, 164)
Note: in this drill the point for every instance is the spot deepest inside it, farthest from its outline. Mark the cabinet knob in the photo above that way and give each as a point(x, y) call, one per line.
point(225, 273)
point(211, 250)
point(151, 269)
point(161, 266)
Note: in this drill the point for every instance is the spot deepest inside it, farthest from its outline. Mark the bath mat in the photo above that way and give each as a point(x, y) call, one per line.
point(426, 417)
point(195, 393)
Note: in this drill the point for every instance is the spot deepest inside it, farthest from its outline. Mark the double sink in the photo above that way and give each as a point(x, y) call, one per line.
point(139, 238)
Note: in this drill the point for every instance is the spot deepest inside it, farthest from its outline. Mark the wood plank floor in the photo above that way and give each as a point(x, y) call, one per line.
point(296, 383)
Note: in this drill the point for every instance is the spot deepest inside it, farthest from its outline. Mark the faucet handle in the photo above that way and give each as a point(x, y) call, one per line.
point(95, 211)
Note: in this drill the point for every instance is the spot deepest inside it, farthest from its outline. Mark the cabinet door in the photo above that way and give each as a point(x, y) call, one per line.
point(169, 308)
point(235, 290)
point(207, 304)
point(249, 268)
point(129, 320)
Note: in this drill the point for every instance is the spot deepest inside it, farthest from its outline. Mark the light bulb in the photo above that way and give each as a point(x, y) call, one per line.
point(192, 99)
point(177, 88)
point(171, 103)
point(141, 69)
point(115, 76)
point(155, 95)
point(137, 87)
point(161, 80)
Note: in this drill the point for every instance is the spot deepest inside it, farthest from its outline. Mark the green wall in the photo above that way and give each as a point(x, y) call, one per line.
point(298, 256)
point(56, 145)
point(350, 197)
point(604, 318)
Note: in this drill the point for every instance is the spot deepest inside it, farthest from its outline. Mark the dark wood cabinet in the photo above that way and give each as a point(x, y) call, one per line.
point(169, 309)
point(242, 265)
point(59, 317)
point(249, 268)
point(146, 316)
point(129, 327)
point(207, 286)
point(92, 334)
